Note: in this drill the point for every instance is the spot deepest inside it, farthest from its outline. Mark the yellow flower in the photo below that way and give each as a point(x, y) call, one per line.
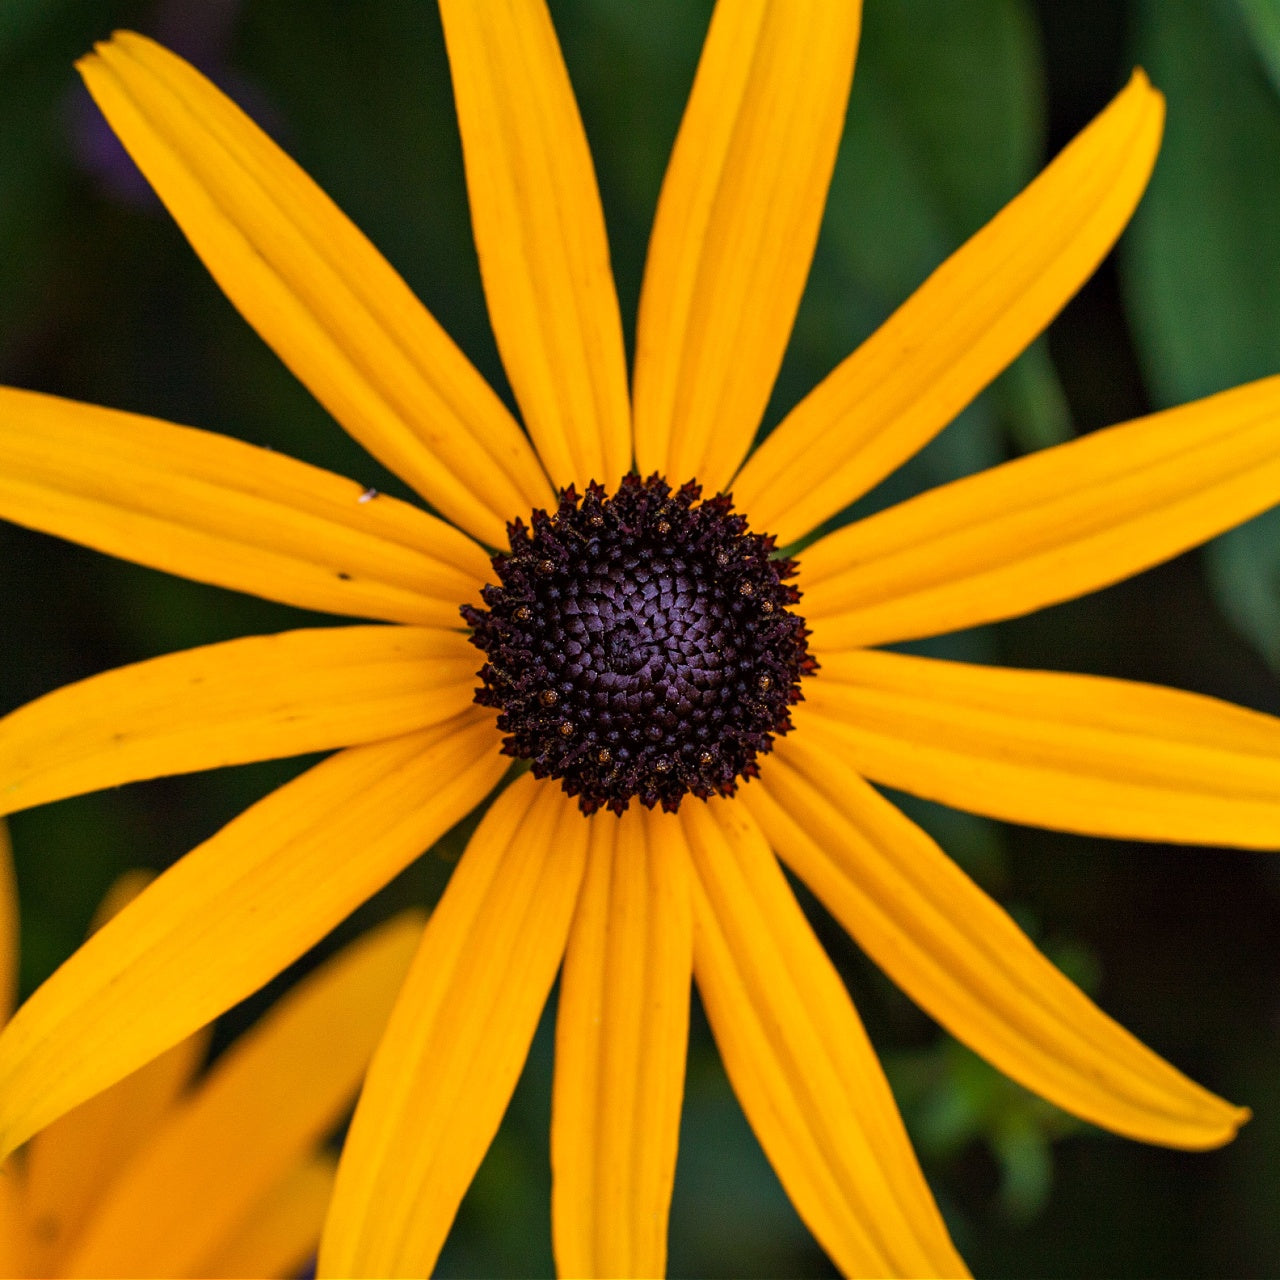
point(631, 905)
point(164, 1174)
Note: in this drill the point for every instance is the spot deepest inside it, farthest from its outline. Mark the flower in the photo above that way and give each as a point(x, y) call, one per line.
point(627, 905)
point(164, 1174)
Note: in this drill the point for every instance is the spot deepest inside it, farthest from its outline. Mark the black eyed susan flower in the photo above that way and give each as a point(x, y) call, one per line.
point(172, 1173)
point(692, 704)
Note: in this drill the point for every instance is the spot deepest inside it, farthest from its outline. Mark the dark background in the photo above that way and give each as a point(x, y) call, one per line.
point(956, 103)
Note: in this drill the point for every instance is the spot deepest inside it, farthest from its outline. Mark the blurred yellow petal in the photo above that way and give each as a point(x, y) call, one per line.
point(458, 1037)
point(71, 1164)
point(962, 958)
point(1075, 753)
point(621, 1036)
point(279, 1238)
point(1049, 526)
point(8, 926)
point(736, 225)
point(213, 509)
point(970, 319)
point(235, 911)
point(13, 1239)
point(540, 234)
point(800, 1061)
point(260, 1111)
point(253, 699)
point(120, 892)
point(317, 290)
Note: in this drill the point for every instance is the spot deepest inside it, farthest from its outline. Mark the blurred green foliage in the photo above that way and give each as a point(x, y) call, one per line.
point(1263, 20)
point(956, 104)
point(1203, 260)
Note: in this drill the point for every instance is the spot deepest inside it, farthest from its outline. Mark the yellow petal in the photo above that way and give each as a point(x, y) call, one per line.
point(735, 230)
point(955, 952)
point(316, 290)
point(120, 892)
point(254, 699)
point(540, 235)
point(458, 1037)
point(621, 1036)
point(280, 1236)
point(800, 1061)
point(70, 1165)
point(1076, 753)
point(216, 510)
point(260, 1111)
point(970, 319)
point(8, 926)
point(13, 1238)
point(235, 911)
point(1049, 526)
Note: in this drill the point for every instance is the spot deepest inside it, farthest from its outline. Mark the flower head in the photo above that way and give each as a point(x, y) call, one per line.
point(610, 625)
point(641, 645)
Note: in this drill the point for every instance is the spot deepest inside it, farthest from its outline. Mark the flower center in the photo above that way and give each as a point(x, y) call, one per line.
point(640, 645)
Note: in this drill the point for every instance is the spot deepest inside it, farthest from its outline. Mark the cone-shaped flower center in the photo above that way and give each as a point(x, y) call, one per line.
point(640, 645)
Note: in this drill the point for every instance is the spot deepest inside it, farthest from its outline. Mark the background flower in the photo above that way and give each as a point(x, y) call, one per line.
point(179, 1171)
point(943, 128)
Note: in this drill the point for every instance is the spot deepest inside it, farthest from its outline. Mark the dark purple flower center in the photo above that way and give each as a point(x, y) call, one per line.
point(640, 645)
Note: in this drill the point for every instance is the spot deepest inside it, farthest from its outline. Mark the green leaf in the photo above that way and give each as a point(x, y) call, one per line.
point(965, 80)
point(1032, 401)
point(1262, 18)
point(1202, 262)
point(1244, 570)
point(1026, 1167)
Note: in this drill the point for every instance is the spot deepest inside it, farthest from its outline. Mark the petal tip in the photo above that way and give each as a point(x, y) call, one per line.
point(127, 36)
point(1237, 1118)
point(1216, 1130)
point(101, 54)
point(1140, 85)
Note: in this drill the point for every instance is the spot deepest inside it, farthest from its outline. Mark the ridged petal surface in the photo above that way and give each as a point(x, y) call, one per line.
point(213, 509)
point(259, 698)
point(446, 1068)
point(540, 235)
point(962, 958)
point(235, 911)
point(735, 230)
point(800, 1061)
point(621, 1037)
point(1049, 526)
point(977, 312)
point(1075, 753)
point(316, 290)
